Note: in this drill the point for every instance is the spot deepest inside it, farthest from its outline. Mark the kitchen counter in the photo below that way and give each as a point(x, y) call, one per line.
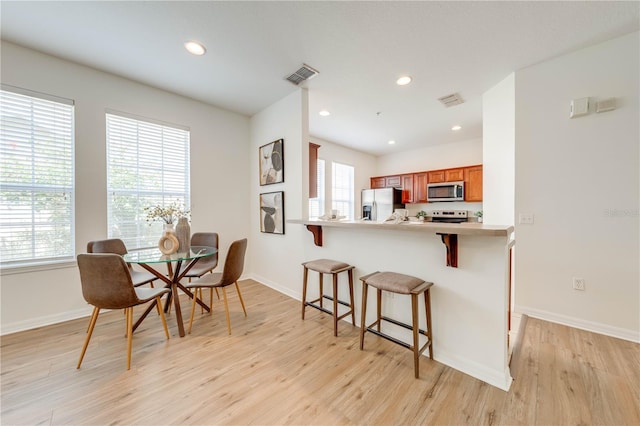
point(448, 231)
point(468, 228)
point(470, 298)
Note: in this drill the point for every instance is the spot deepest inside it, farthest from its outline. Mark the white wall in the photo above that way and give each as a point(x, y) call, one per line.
point(364, 164)
point(498, 152)
point(276, 259)
point(444, 156)
point(219, 171)
point(580, 178)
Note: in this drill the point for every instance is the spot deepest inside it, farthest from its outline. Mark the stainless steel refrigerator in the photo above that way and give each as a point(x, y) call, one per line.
point(378, 204)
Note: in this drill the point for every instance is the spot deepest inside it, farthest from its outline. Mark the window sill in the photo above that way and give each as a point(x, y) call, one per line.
point(37, 267)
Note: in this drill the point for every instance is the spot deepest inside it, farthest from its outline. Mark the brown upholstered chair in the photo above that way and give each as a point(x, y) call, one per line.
point(233, 266)
point(116, 245)
point(106, 284)
point(206, 264)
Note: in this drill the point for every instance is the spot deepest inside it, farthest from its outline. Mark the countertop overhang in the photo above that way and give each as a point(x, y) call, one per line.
point(468, 228)
point(448, 231)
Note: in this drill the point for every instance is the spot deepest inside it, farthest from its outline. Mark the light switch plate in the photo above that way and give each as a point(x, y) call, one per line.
point(525, 219)
point(579, 107)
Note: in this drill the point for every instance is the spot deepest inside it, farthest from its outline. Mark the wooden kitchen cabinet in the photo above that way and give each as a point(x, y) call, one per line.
point(473, 183)
point(386, 182)
point(420, 181)
point(313, 170)
point(407, 188)
point(453, 175)
point(446, 175)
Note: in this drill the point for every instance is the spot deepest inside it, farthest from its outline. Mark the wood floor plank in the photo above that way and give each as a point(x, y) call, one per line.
point(277, 369)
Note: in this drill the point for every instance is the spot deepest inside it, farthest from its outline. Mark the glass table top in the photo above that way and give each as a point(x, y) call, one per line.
point(154, 255)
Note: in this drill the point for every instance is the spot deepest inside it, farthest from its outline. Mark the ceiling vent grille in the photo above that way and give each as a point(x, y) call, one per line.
point(303, 74)
point(451, 100)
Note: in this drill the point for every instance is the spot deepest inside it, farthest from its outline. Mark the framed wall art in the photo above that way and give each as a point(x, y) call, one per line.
point(272, 212)
point(271, 157)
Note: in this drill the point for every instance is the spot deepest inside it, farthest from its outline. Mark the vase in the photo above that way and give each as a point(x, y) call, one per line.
point(168, 243)
point(183, 234)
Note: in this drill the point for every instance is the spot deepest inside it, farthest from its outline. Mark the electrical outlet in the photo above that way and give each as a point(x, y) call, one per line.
point(526, 218)
point(578, 284)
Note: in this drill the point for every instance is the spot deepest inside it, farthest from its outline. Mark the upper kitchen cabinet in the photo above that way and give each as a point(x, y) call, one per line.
point(313, 170)
point(408, 188)
point(473, 183)
point(448, 175)
point(420, 181)
point(386, 182)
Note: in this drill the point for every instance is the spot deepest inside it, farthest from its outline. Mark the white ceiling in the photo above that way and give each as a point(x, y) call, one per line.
point(360, 48)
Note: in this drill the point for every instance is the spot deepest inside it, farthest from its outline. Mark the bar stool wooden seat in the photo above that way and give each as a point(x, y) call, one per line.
point(399, 284)
point(333, 267)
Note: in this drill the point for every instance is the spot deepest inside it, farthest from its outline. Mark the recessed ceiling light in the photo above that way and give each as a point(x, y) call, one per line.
point(324, 113)
point(456, 128)
point(195, 48)
point(403, 81)
point(391, 142)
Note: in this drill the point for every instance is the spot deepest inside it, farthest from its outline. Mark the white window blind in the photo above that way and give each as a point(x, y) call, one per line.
point(36, 178)
point(342, 194)
point(147, 165)
point(316, 205)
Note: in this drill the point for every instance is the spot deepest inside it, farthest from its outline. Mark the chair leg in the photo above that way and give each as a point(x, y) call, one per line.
point(427, 308)
point(92, 323)
point(164, 320)
point(226, 308)
point(416, 344)
point(363, 326)
point(321, 288)
point(353, 311)
point(335, 305)
point(129, 313)
point(379, 307)
point(240, 296)
point(305, 275)
point(193, 309)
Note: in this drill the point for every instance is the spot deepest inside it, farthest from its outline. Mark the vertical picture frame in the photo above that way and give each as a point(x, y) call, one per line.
point(272, 212)
point(271, 159)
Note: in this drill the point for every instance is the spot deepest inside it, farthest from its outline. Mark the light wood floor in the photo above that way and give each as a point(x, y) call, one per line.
point(278, 369)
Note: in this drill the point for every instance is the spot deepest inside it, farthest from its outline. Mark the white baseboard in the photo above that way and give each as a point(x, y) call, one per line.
point(595, 327)
point(45, 320)
point(500, 379)
point(277, 287)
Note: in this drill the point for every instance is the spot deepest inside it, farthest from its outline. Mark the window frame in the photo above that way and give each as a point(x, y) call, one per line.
point(63, 125)
point(162, 196)
point(351, 190)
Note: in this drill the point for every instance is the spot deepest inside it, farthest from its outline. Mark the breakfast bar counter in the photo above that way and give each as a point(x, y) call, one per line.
point(469, 264)
point(447, 231)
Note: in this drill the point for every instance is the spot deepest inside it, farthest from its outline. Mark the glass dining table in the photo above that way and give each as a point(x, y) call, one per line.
point(178, 265)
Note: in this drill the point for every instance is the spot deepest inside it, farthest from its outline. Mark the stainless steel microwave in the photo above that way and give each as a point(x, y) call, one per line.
point(445, 191)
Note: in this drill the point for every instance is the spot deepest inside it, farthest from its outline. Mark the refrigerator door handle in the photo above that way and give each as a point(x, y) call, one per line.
point(374, 212)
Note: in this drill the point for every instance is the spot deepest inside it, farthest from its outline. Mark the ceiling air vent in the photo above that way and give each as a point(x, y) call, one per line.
point(451, 100)
point(303, 74)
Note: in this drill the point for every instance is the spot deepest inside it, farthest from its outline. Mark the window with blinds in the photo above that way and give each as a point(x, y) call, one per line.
point(147, 166)
point(316, 205)
point(36, 178)
point(342, 189)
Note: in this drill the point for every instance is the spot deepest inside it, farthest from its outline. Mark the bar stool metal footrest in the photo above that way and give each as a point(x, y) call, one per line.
point(399, 284)
point(333, 267)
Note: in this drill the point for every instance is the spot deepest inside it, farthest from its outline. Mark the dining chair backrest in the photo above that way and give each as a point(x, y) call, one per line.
point(234, 264)
point(206, 239)
point(113, 245)
point(106, 281)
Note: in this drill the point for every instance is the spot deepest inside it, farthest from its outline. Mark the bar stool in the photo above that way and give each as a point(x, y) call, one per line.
point(333, 267)
point(399, 284)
